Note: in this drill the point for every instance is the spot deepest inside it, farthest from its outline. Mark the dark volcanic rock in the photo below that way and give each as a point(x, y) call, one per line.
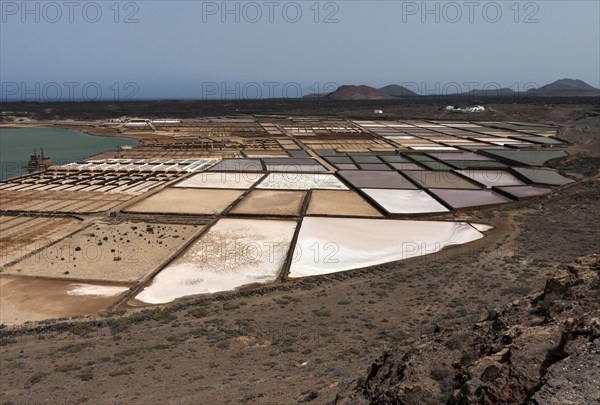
point(543, 350)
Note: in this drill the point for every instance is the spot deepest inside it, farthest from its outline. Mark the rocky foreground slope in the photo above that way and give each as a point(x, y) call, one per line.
point(542, 350)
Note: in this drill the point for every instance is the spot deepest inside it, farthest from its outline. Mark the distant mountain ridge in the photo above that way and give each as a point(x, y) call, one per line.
point(566, 88)
point(558, 88)
point(362, 92)
point(396, 90)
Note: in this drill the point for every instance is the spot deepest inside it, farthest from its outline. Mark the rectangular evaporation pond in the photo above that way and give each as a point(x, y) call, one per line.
point(436, 166)
point(459, 156)
point(395, 159)
point(294, 165)
point(326, 152)
point(238, 165)
point(52, 299)
point(433, 148)
point(540, 139)
point(542, 176)
point(260, 154)
point(376, 179)
point(403, 137)
point(301, 181)
point(469, 198)
point(406, 166)
point(297, 169)
point(405, 201)
point(354, 243)
point(439, 179)
point(141, 247)
point(233, 253)
point(298, 153)
point(291, 162)
point(524, 157)
point(271, 202)
point(221, 180)
point(521, 192)
point(514, 145)
point(492, 178)
point(186, 201)
point(346, 166)
point(343, 203)
point(366, 159)
point(474, 164)
point(339, 160)
point(419, 157)
point(374, 166)
point(487, 147)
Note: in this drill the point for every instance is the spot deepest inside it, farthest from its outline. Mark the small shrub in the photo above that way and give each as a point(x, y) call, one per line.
point(86, 376)
point(198, 312)
point(74, 348)
point(121, 371)
point(34, 379)
point(65, 368)
point(229, 306)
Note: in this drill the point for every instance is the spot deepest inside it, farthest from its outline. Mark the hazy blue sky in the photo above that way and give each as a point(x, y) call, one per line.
point(197, 49)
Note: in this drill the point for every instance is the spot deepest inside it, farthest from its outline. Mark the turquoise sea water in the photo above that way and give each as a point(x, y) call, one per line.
point(61, 145)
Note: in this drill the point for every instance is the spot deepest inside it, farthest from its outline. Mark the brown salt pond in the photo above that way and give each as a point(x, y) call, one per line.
point(61, 201)
point(25, 299)
point(271, 202)
point(22, 235)
point(231, 180)
point(124, 252)
point(187, 201)
point(238, 165)
point(343, 203)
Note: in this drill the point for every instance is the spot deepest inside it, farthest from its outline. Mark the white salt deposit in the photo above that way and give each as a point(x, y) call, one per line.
point(97, 290)
point(233, 253)
point(405, 201)
point(329, 245)
point(301, 181)
point(221, 180)
point(482, 227)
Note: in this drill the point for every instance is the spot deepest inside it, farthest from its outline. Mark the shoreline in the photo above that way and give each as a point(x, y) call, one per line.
point(74, 128)
point(83, 128)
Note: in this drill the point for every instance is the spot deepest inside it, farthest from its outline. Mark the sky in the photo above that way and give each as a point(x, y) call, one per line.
point(63, 51)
